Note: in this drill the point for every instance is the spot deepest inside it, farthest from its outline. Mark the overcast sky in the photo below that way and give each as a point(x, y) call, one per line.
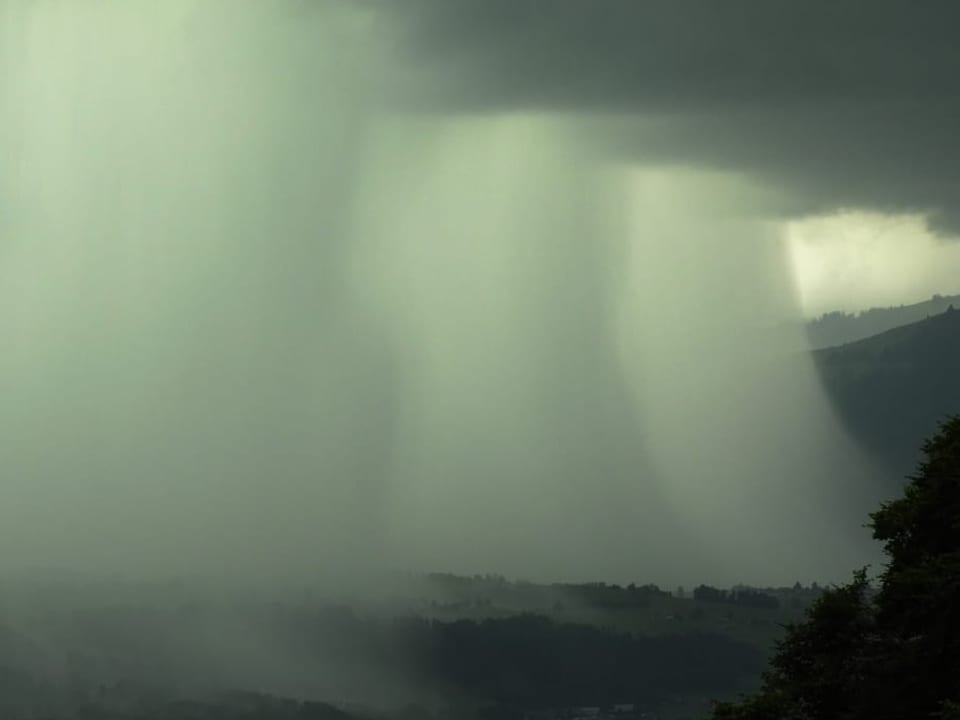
point(850, 103)
point(842, 106)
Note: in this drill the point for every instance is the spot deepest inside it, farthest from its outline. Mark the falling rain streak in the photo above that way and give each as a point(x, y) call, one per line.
point(260, 321)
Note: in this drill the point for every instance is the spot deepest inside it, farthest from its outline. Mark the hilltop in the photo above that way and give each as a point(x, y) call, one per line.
point(838, 327)
point(893, 388)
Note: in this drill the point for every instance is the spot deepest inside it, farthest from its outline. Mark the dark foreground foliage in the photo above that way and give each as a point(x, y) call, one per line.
point(892, 653)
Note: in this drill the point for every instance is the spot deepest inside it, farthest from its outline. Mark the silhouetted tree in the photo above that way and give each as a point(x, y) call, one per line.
point(892, 654)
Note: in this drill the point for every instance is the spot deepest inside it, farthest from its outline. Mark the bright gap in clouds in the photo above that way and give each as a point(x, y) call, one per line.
point(856, 260)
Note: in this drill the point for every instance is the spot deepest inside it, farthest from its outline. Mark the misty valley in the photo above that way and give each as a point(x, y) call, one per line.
point(417, 647)
point(479, 360)
point(435, 646)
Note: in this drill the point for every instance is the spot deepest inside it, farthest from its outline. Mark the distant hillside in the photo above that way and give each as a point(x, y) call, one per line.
point(837, 328)
point(893, 388)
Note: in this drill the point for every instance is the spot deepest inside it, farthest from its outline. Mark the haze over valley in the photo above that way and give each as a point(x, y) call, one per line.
point(352, 348)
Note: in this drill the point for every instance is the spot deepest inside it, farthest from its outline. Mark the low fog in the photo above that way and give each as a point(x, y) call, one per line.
point(271, 318)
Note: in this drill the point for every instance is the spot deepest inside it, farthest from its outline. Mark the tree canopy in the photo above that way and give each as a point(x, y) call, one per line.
point(890, 652)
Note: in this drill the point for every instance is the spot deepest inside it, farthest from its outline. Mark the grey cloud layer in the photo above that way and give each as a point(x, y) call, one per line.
point(841, 103)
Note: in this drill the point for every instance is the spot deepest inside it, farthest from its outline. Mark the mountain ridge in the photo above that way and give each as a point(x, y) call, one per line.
point(891, 389)
point(838, 327)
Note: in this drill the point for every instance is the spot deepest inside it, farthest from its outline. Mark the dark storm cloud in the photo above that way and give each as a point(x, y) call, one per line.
point(839, 103)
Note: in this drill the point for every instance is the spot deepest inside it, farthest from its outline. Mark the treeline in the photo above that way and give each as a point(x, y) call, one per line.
point(481, 591)
point(460, 593)
point(743, 597)
point(604, 596)
point(838, 327)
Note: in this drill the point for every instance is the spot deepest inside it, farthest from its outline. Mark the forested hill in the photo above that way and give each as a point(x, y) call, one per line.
point(837, 328)
point(893, 388)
